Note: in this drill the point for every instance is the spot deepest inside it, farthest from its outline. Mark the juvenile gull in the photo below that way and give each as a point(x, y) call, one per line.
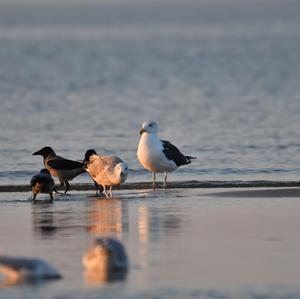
point(42, 182)
point(60, 167)
point(18, 270)
point(106, 170)
point(157, 155)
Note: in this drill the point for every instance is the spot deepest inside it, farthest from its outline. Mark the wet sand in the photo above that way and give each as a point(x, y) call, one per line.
point(260, 193)
point(181, 243)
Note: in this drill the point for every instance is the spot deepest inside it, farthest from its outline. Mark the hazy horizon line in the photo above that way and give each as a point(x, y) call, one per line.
point(62, 2)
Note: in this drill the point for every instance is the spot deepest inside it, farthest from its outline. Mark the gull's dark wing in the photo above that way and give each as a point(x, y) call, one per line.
point(174, 154)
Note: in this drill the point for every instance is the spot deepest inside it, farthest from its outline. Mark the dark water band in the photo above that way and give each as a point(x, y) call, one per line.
point(171, 185)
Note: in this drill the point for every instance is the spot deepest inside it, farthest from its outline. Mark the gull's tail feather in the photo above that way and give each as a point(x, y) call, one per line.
point(188, 159)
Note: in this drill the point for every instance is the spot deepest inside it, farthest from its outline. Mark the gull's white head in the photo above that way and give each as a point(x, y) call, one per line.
point(121, 169)
point(149, 127)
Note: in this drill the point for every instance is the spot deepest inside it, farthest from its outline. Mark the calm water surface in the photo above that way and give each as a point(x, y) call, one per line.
point(180, 243)
point(221, 79)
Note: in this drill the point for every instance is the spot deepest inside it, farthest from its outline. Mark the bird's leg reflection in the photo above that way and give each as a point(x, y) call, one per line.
point(143, 226)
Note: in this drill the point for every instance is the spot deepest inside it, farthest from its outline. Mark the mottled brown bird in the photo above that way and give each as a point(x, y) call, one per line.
point(106, 171)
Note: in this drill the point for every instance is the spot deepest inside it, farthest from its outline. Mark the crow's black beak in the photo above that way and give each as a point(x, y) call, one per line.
point(37, 153)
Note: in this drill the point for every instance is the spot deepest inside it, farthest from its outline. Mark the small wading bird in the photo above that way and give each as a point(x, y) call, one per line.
point(107, 171)
point(157, 155)
point(19, 270)
point(60, 167)
point(42, 182)
point(105, 261)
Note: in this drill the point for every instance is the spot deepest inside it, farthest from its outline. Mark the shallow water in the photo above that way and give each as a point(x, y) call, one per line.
point(180, 243)
point(221, 79)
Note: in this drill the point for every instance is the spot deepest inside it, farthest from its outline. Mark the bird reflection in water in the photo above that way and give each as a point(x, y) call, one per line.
point(143, 231)
point(106, 261)
point(153, 224)
point(43, 221)
point(107, 217)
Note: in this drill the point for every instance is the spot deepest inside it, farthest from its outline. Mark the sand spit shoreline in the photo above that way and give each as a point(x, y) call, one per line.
point(173, 185)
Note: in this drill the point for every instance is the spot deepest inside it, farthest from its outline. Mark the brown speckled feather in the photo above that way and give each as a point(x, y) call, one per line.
point(102, 169)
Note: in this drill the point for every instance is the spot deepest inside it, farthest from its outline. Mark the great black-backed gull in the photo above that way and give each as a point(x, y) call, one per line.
point(42, 182)
point(60, 167)
point(157, 155)
point(107, 171)
point(20, 270)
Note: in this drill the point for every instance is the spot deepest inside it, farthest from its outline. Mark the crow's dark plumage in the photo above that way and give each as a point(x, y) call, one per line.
point(60, 167)
point(42, 182)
